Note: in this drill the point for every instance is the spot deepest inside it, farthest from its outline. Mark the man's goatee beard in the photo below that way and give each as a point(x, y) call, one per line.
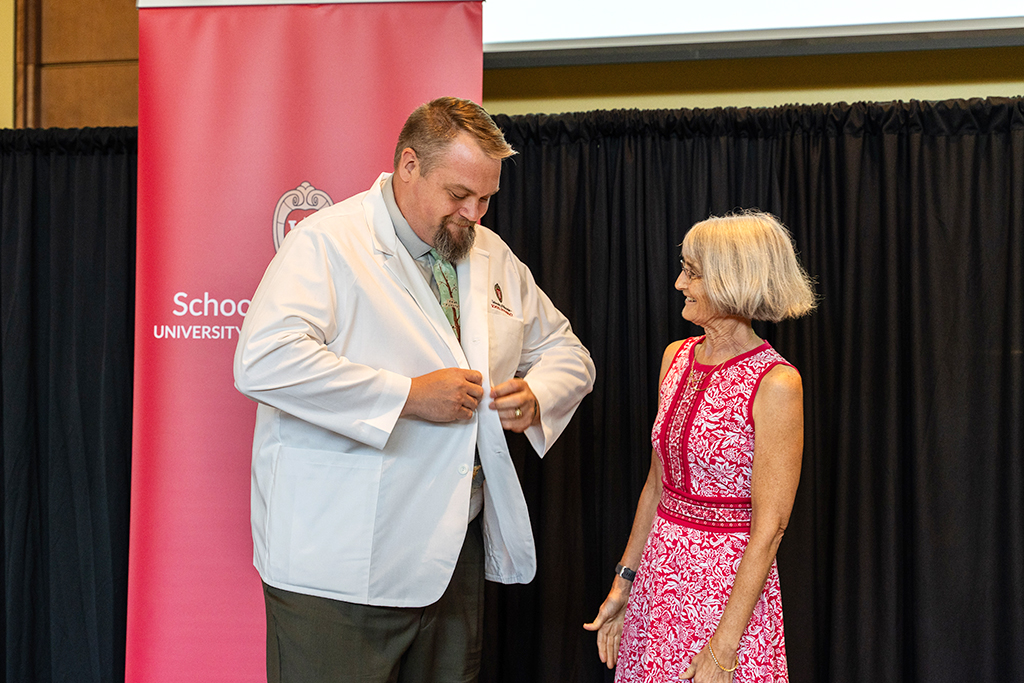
point(453, 247)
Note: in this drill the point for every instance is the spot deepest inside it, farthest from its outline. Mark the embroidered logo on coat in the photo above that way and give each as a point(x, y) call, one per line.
point(497, 305)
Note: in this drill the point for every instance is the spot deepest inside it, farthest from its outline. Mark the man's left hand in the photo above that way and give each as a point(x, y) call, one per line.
point(516, 405)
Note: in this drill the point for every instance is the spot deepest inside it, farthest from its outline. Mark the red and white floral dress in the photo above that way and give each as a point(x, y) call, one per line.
point(704, 436)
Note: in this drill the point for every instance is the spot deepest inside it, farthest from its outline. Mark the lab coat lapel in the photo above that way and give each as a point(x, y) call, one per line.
point(401, 265)
point(472, 273)
point(405, 271)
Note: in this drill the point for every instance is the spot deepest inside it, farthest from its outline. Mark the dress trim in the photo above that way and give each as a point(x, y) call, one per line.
point(705, 513)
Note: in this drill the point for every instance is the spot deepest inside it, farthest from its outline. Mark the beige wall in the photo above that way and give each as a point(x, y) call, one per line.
point(765, 82)
point(6, 63)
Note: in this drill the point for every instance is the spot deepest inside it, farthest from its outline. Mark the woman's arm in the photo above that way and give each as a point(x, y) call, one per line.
point(608, 622)
point(778, 449)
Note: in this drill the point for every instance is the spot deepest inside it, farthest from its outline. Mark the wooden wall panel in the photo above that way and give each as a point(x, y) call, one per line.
point(76, 63)
point(89, 31)
point(81, 95)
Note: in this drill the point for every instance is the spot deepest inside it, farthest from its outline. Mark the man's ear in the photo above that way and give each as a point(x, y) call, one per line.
point(408, 164)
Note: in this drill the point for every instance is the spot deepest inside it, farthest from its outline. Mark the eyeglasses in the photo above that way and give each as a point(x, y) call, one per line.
point(691, 274)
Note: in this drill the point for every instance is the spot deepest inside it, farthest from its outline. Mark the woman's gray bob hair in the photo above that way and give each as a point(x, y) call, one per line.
point(749, 267)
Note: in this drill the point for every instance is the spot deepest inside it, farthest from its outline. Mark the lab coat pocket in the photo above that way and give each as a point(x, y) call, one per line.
point(321, 519)
point(505, 335)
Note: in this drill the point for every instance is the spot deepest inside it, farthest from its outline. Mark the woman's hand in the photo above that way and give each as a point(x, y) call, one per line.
point(608, 622)
point(704, 670)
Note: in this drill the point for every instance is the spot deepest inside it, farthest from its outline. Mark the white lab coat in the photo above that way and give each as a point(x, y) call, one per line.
point(349, 500)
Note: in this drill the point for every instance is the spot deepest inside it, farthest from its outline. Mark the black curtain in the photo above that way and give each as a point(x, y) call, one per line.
point(67, 202)
point(904, 560)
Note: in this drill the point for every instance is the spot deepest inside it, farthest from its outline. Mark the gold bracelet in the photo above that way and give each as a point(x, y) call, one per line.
point(728, 671)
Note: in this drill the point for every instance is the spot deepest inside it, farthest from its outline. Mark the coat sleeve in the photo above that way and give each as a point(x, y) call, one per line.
point(283, 357)
point(554, 363)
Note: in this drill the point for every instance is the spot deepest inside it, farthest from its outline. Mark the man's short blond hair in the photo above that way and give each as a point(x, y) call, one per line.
point(433, 126)
point(749, 267)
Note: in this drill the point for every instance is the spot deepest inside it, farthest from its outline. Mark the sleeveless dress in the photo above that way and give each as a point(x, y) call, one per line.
point(704, 437)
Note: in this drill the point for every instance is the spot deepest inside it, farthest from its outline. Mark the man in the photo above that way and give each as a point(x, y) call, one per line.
point(391, 341)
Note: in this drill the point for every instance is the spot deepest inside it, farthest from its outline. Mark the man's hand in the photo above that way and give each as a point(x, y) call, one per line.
point(445, 395)
point(516, 405)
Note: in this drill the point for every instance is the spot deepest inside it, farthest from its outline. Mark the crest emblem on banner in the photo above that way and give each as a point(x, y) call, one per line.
point(293, 206)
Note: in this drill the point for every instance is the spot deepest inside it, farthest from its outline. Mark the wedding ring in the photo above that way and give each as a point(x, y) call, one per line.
point(518, 413)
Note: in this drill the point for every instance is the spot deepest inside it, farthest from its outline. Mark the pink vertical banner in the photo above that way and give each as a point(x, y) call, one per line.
point(250, 117)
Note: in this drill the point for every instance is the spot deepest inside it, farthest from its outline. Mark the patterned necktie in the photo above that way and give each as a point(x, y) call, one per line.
point(448, 288)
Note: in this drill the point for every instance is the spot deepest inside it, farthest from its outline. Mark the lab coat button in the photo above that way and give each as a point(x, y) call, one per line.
point(463, 469)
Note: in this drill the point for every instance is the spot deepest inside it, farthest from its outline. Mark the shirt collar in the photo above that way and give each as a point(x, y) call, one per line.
point(409, 239)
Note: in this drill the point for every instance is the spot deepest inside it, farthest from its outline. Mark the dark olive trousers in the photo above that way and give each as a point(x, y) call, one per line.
point(318, 640)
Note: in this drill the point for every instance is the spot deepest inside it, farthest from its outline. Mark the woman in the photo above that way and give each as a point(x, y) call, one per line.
point(705, 603)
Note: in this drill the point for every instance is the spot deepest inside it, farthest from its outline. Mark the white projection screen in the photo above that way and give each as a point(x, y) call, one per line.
point(553, 32)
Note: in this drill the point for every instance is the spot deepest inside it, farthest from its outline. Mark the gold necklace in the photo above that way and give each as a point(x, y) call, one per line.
point(694, 384)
